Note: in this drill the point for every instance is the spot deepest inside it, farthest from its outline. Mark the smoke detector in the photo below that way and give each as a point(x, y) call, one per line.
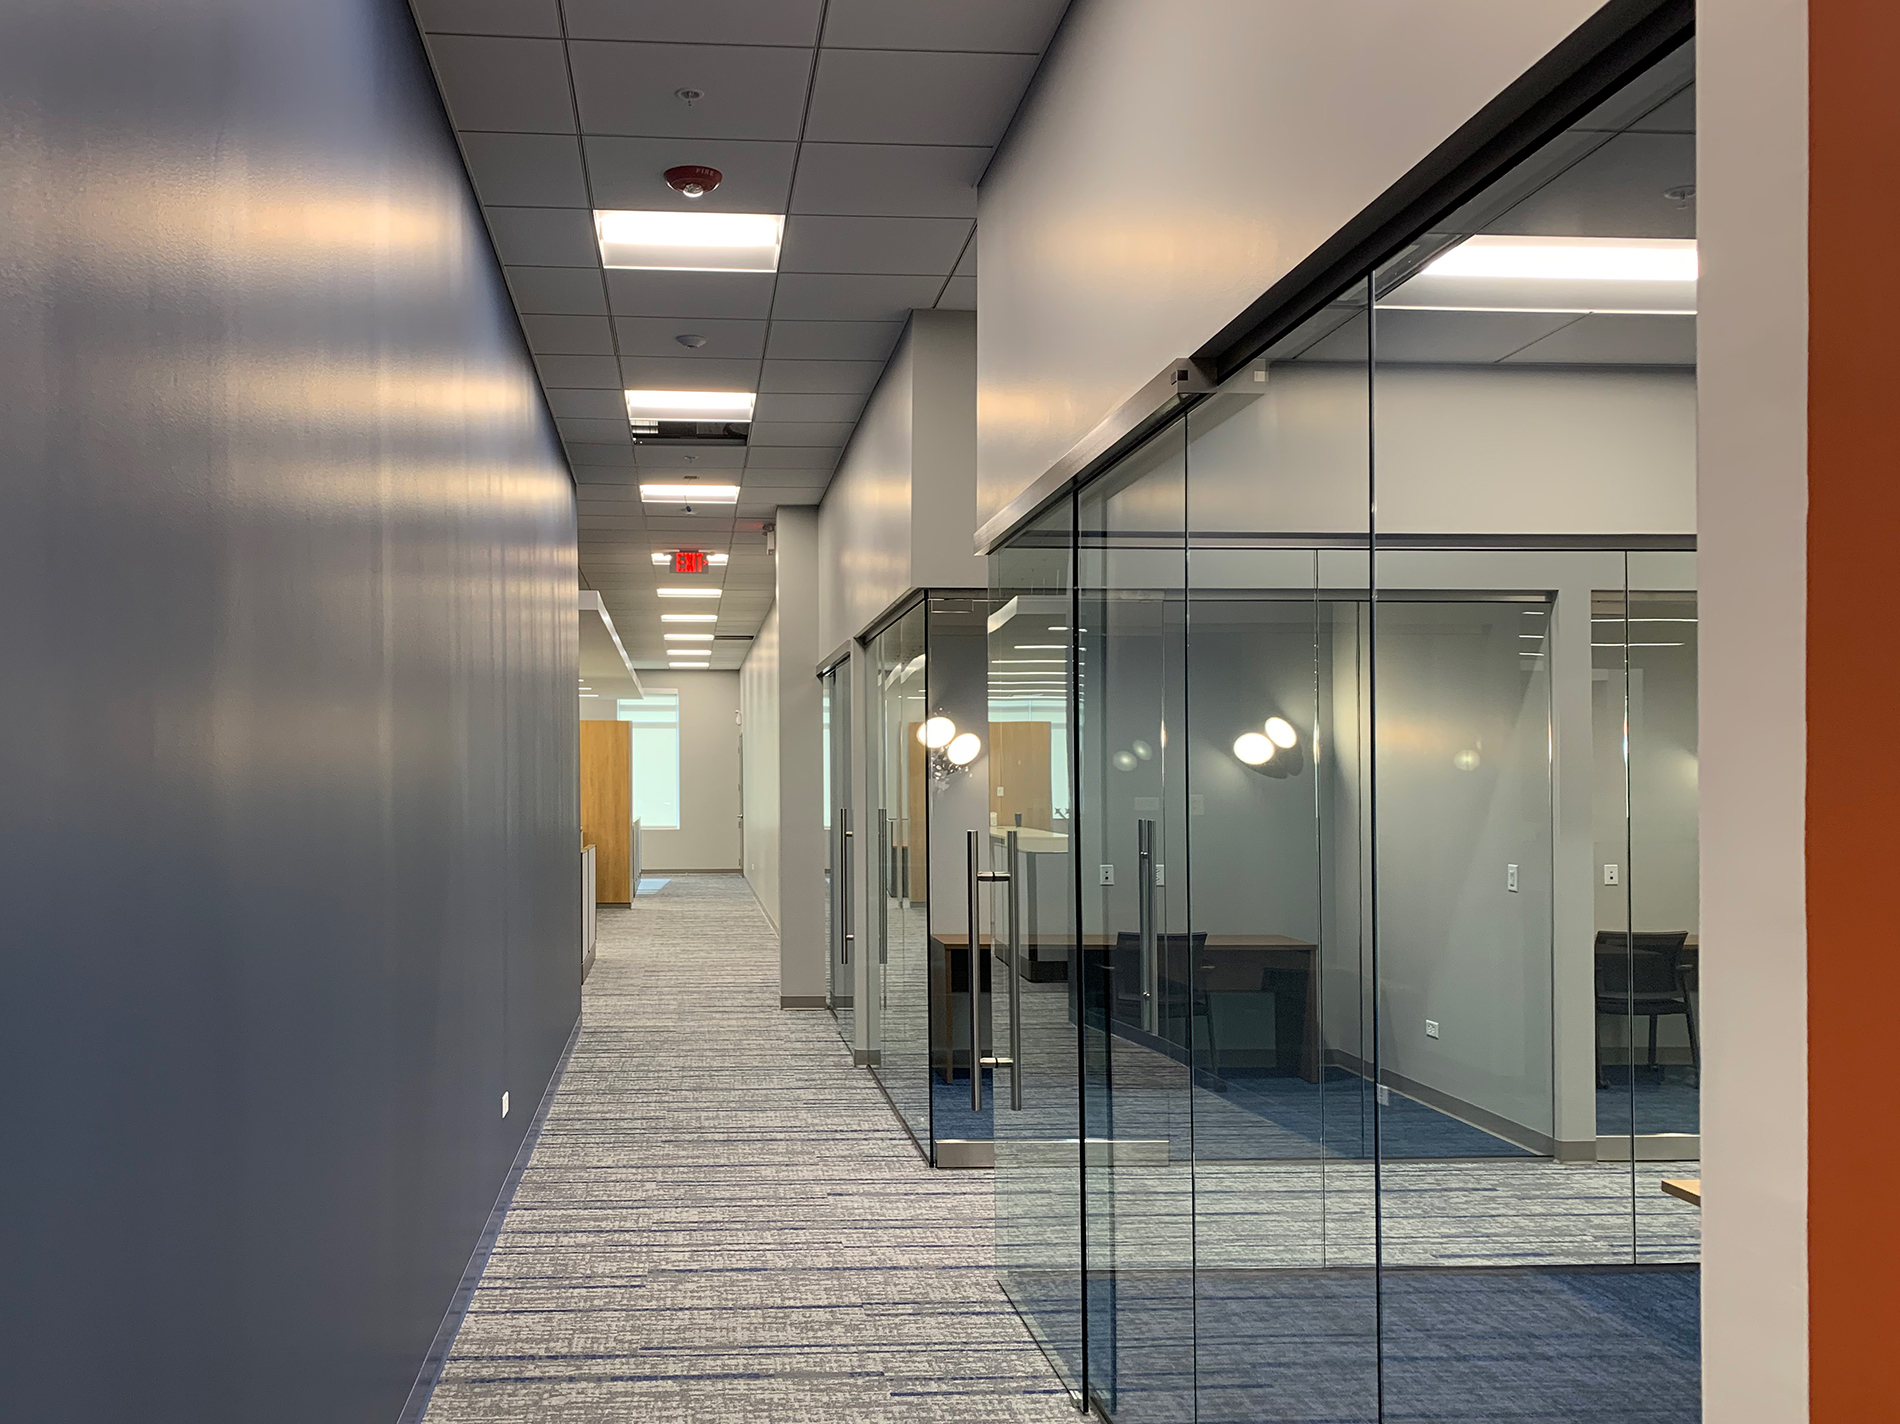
point(693, 180)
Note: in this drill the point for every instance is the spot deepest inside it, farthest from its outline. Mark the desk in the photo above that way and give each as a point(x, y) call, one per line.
point(1227, 965)
point(1687, 1189)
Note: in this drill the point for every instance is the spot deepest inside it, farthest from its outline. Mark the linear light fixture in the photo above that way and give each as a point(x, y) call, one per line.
point(689, 494)
point(689, 617)
point(687, 637)
point(689, 405)
point(1570, 259)
point(671, 241)
point(701, 666)
point(687, 592)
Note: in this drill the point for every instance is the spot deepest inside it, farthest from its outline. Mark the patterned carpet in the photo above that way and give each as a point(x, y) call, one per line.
point(722, 1220)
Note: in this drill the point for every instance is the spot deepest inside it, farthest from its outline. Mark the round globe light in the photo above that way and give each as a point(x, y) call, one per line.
point(936, 732)
point(1124, 761)
point(1253, 749)
point(1280, 732)
point(963, 748)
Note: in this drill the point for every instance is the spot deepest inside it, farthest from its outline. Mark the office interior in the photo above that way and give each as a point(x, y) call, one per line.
point(1103, 802)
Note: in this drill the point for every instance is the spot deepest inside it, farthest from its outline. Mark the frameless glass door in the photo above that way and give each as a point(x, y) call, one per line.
point(1036, 1121)
point(841, 934)
point(900, 870)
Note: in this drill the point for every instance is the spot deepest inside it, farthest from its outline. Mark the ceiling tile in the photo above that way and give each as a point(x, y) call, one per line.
point(750, 91)
point(518, 85)
point(596, 373)
point(563, 291)
point(678, 457)
point(629, 172)
point(889, 96)
point(584, 404)
point(593, 431)
point(544, 237)
point(735, 295)
point(1618, 191)
point(873, 245)
point(819, 377)
point(568, 335)
point(1447, 337)
point(587, 456)
point(757, 22)
point(817, 296)
point(959, 294)
point(655, 336)
point(668, 373)
point(846, 407)
point(1019, 26)
point(834, 340)
point(776, 432)
point(888, 180)
point(490, 17)
point(526, 170)
point(790, 457)
point(966, 264)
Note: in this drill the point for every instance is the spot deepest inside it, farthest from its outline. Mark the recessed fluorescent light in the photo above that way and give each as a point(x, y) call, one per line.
point(687, 592)
point(689, 665)
point(687, 637)
point(1572, 259)
point(689, 405)
point(689, 494)
point(690, 242)
point(689, 617)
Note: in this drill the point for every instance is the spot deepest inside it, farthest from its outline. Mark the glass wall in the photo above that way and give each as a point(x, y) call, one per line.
point(899, 977)
point(1381, 1025)
point(841, 935)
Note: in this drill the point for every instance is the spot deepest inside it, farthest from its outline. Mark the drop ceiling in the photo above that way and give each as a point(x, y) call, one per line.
point(866, 122)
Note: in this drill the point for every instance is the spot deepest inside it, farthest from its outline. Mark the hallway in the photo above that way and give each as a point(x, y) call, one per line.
point(723, 1220)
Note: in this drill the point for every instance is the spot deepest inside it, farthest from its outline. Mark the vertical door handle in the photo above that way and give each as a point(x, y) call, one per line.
point(977, 1061)
point(1145, 892)
point(847, 920)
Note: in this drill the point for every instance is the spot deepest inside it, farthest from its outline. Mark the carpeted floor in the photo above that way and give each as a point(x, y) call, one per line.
point(721, 1220)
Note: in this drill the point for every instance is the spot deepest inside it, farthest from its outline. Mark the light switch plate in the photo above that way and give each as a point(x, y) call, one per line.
point(1161, 873)
point(1612, 875)
point(504, 1096)
point(1431, 1028)
point(1107, 875)
point(1385, 1096)
point(1510, 878)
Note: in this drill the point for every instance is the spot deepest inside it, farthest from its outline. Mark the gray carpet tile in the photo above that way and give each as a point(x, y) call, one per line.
point(722, 1220)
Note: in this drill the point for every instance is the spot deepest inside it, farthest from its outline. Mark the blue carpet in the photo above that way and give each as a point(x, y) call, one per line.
point(1664, 1099)
point(1334, 1118)
point(951, 1118)
point(1496, 1346)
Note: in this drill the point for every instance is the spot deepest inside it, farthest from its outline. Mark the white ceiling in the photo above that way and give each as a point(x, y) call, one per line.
point(866, 121)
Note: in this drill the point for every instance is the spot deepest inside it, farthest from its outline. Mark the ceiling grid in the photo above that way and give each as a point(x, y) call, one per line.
point(864, 122)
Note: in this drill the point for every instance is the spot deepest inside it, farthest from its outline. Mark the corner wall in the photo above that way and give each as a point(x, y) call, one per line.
point(288, 722)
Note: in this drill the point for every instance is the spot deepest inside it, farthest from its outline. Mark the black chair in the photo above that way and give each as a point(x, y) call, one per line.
point(1643, 975)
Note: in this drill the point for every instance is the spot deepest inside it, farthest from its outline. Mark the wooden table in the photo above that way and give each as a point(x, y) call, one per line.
point(1687, 1189)
point(1227, 964)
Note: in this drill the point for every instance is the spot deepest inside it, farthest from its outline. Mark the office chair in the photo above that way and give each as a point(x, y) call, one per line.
point(1641, 975)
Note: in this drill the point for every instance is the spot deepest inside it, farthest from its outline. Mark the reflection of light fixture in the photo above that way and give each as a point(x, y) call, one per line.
point(963, 748)
point(689, 665)
point(1142, 750)
point(936, 732)
point(689, 617)
point(1280, 732)
point(1124, 761)
point(1576, 259)
point(687, 592)
point(1253, 748)
point(1466, 760)
point(687, 637)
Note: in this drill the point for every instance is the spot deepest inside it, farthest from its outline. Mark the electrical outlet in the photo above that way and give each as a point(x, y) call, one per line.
point(1612, 875)
point(1431, 1028)
point(1385, 1096)
point(504, 1097)
point(1107, 875)
point(1161, 873)
point(1510, 878)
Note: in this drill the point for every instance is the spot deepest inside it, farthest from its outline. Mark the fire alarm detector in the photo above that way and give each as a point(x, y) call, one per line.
point(693, 179)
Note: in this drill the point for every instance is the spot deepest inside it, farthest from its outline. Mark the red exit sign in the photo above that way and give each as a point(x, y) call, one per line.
point(689, 561)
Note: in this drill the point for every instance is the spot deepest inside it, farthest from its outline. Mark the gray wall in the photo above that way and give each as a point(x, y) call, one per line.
point(1164, 174)
point(287, 725)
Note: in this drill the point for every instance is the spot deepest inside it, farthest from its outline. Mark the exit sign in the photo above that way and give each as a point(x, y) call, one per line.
point(689, 561)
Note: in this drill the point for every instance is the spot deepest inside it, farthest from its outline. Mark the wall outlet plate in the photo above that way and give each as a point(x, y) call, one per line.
point(1107, 875)
point(1431, 1028)
point(504, 1103)
point(1510, 878)
point(1385, 1096)
point(1612, 875)
point(1161, 873)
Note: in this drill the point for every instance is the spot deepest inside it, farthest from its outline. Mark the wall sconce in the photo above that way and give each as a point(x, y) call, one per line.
point(950, 750)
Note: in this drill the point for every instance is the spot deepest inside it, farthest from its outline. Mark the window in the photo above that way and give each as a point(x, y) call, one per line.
point(656, 757)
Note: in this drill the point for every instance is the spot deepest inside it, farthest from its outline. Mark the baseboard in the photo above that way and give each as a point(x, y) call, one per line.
point(1529, 1138)
point(432, 1363)
point(1651, 1147)
point(959, 1154)
point(802, 1001)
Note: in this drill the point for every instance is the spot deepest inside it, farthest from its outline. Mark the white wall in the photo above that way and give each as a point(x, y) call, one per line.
point(1173, 164)
point(1752, 189)
point(708, 837)
point(801, 782)
point(759, 726)
point(901, 510)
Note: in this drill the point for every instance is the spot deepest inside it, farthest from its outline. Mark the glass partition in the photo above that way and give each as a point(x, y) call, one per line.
point(900, 871)
point(841, 936)
point(1383, 1008)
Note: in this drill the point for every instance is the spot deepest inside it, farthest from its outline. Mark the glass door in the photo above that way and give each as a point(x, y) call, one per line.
point(900, 871)
point(840, 843)
point(1036, 1120)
